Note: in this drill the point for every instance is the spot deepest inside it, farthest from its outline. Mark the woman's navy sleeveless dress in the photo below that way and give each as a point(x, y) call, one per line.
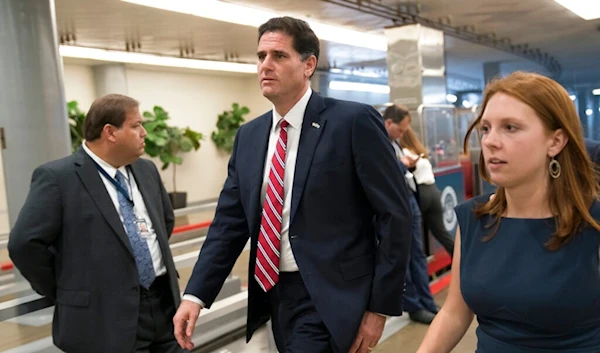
point(528, 299)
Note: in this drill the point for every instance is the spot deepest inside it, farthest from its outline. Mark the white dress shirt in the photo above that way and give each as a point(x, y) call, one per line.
point(423, 172)
point(139, 208)
point(287, 262)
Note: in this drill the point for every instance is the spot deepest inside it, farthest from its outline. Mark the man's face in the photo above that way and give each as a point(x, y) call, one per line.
point(282, 73)
point(397, 130)
point(130, 137)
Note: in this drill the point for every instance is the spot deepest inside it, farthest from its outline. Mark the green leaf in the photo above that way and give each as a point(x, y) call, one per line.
point(76, 119)
point(154, 126)
point(228, 124)
point(186, 144)
point(160, 113)
point(152, 150)
point(167, 158)
point(194, 137)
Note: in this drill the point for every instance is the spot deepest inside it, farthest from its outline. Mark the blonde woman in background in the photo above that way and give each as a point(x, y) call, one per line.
point(429, 194)
point(526, 260)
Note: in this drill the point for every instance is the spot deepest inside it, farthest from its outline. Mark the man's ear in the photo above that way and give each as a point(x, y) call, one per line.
point(108, 131)
point(310, 65)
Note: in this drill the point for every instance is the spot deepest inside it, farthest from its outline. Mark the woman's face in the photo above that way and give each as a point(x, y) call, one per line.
point(515, 143)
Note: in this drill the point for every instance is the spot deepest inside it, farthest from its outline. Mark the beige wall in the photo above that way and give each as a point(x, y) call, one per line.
point(192, 99)
point(79, 85)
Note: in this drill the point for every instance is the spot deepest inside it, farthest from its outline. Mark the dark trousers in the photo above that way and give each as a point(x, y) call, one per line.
point(297, 328)
point(417, 295)
point(433, 215)
point(155, 324)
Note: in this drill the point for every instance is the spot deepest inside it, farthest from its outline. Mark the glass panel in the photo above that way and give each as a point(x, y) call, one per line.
point(464, 117)
point(441, 138)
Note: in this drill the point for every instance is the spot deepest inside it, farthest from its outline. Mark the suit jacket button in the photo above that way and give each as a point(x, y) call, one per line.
point(134, 289)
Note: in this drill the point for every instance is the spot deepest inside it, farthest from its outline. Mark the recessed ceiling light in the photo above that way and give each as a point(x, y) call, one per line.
point(358, 86)
point(586, 9)
point(248, 16)
point(154, 60)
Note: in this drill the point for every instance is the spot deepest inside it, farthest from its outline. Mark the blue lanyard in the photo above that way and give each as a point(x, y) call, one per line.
point(116, 183)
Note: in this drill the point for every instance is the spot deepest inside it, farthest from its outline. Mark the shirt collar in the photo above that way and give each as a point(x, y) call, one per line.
point(112, 171)
point(295, 116)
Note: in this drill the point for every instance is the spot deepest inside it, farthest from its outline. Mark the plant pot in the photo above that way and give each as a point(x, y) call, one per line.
point(178, 199)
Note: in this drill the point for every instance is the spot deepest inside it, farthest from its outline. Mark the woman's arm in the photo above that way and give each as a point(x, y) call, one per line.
point(454, 318)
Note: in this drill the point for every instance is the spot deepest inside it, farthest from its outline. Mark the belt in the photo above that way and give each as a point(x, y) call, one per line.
point(158, 286)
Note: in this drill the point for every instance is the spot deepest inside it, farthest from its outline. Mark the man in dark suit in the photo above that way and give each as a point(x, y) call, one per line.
point(93, 235)
point(314, 185)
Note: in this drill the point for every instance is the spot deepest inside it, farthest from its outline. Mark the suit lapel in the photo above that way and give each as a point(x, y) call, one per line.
point(87, 172)
point(149, 193)
point(312, 126)
point(260, 134)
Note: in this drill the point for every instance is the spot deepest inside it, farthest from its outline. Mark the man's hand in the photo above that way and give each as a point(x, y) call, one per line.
point(409, 162)
point(185, 322)
point(369, 333)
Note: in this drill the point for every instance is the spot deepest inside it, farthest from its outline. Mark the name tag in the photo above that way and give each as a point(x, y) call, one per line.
point(143, 228)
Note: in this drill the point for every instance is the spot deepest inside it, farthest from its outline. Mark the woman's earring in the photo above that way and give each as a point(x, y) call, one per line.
point(554, 168)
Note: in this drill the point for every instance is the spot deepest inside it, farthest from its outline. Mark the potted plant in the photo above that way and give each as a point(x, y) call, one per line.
point(76, 118)
point(228, 124)
point(168, 143)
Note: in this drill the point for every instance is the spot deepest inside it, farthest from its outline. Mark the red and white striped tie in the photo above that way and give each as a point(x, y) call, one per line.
point(266, 270)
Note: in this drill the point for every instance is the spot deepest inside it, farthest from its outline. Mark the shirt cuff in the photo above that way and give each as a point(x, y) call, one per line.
point(194, 299)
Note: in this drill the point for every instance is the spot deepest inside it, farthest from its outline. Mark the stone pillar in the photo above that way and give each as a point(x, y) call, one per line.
point(34, 126)
point(416, 69)
point(110, 78)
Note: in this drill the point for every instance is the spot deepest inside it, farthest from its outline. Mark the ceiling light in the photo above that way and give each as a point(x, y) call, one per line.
point(573, 97)
point(154, 60)
point(451, 98)
point(589, 112)
point(586, 9)
point(248, 16)
point(357, 86)
point(355, 73)
point(596, 92)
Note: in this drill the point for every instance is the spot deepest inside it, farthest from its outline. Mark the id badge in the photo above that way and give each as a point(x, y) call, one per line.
point(143, 228)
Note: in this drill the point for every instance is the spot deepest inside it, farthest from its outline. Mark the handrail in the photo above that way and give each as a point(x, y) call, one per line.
point(9, 266)
point(189, 227)
point(194, 209)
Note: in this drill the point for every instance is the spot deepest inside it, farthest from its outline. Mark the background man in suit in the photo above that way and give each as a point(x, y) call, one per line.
point(418, 300)
point(314, 184)
point(93, 235)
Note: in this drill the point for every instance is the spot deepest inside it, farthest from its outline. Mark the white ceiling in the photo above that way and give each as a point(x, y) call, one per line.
point(543, 24)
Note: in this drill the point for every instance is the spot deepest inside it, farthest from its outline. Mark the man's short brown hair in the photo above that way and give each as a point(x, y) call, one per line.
point(110, 109)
